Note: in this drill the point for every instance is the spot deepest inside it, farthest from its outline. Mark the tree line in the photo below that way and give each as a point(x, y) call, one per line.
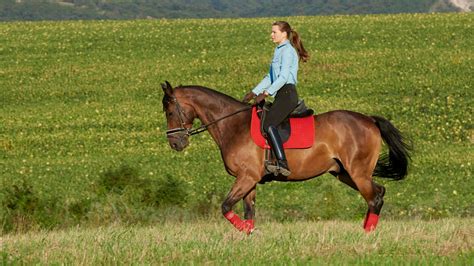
point(142, 9)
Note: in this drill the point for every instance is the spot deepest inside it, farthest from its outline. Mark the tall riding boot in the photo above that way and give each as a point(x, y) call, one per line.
point(277, 146)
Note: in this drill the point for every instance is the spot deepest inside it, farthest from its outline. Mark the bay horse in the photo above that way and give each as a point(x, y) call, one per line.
point(347, 145)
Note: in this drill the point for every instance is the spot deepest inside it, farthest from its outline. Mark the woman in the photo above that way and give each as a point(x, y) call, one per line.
point(280, 82)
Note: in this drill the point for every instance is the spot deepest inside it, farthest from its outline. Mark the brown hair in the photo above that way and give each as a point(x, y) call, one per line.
point(294, 38)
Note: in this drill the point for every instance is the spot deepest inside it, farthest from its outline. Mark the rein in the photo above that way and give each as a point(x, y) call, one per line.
point(202, 128)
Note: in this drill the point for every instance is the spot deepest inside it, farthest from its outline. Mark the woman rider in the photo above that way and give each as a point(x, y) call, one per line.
point(280, 83)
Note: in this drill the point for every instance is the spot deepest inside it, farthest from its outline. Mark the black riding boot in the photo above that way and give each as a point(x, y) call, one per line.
point(277, 146)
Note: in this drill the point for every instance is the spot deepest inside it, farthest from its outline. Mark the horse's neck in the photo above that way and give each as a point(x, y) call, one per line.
point(210, 108)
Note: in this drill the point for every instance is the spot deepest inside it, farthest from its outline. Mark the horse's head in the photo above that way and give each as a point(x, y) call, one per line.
point(179, 117)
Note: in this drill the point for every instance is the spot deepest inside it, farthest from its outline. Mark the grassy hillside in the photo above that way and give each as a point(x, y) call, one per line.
point(82, 131)
point(441, 242)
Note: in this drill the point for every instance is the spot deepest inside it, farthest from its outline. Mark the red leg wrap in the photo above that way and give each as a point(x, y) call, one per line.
point(250, 226)
point(234, 219)
point(370, 222)
point(247, 225)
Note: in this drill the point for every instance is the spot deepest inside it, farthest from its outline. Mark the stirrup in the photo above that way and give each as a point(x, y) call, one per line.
point(276, 169)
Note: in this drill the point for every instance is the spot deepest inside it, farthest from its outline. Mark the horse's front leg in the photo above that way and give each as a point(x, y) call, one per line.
point(249, 208)
point(244, 186)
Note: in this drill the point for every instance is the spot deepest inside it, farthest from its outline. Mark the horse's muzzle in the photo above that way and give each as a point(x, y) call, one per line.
point(178, 143)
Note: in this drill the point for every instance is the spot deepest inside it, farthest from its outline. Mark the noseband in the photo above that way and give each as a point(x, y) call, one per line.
point(190, 131)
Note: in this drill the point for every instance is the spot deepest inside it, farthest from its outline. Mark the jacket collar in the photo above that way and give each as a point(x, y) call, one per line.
point(283, 44)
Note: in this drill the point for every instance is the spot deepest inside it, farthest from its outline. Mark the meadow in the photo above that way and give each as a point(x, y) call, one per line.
point(82, 143)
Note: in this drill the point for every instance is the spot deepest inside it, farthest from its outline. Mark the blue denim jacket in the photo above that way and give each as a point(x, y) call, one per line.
point(283, 70)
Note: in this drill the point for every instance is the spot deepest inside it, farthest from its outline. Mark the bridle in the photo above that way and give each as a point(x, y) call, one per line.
point(190, 131)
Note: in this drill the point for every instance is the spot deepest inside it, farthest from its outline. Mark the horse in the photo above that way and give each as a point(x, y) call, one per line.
point(347, 145)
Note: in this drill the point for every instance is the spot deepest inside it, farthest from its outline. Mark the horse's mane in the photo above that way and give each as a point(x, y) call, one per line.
point(213, 92)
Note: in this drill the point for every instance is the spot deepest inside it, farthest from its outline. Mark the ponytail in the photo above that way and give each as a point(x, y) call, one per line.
point(294, 38)
point(298, 44)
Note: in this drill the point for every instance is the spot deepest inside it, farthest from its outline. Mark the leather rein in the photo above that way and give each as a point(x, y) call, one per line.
point(190, 131)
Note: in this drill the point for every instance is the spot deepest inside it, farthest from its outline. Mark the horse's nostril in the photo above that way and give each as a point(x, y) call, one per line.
point(174, 145)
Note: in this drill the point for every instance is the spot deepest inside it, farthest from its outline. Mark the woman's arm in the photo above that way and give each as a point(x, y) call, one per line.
point(265, 83)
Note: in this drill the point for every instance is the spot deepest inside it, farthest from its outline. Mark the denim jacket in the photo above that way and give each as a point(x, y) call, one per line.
point(283, 70)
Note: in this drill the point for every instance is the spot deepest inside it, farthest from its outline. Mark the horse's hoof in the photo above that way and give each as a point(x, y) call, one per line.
point(255, 233)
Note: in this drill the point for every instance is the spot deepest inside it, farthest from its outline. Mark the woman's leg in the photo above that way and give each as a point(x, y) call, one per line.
point(285, 102)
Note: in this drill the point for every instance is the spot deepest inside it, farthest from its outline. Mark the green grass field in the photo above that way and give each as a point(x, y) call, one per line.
point(82, 141)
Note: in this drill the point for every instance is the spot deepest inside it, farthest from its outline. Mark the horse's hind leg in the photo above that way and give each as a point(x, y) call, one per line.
point(345, 178)
point(373, 194)
point(372, 216)
point(380, 192)
point(375, 202)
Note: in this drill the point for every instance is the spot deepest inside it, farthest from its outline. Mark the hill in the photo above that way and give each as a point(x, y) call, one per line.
point(136, 9)
point(82, 132)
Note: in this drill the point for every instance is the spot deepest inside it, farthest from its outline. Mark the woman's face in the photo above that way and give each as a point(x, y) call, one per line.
point(278, 36)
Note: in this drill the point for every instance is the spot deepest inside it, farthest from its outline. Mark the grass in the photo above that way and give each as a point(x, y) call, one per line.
point(80, 107)
point(445, 241)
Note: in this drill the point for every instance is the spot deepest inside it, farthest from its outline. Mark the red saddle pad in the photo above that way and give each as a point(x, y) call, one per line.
point(302, 132)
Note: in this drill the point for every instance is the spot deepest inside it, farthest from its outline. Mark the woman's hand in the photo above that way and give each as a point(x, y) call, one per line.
point(248, 97)
point(261, 97)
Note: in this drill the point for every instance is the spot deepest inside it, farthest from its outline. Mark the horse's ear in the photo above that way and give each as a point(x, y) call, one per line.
point(169, 85)
point(167, 88)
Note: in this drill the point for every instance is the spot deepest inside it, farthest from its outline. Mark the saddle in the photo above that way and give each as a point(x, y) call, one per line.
point(296, 131)
point(284, 129)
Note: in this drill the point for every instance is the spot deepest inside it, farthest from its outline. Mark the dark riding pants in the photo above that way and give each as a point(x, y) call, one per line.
point(285, 102)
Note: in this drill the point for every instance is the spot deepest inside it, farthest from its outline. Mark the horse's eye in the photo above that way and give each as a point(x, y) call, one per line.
point(170, 113)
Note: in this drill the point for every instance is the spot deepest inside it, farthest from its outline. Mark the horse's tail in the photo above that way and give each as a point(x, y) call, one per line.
point(393, 165)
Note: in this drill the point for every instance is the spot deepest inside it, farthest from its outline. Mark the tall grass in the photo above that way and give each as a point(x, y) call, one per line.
point(445, 241)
